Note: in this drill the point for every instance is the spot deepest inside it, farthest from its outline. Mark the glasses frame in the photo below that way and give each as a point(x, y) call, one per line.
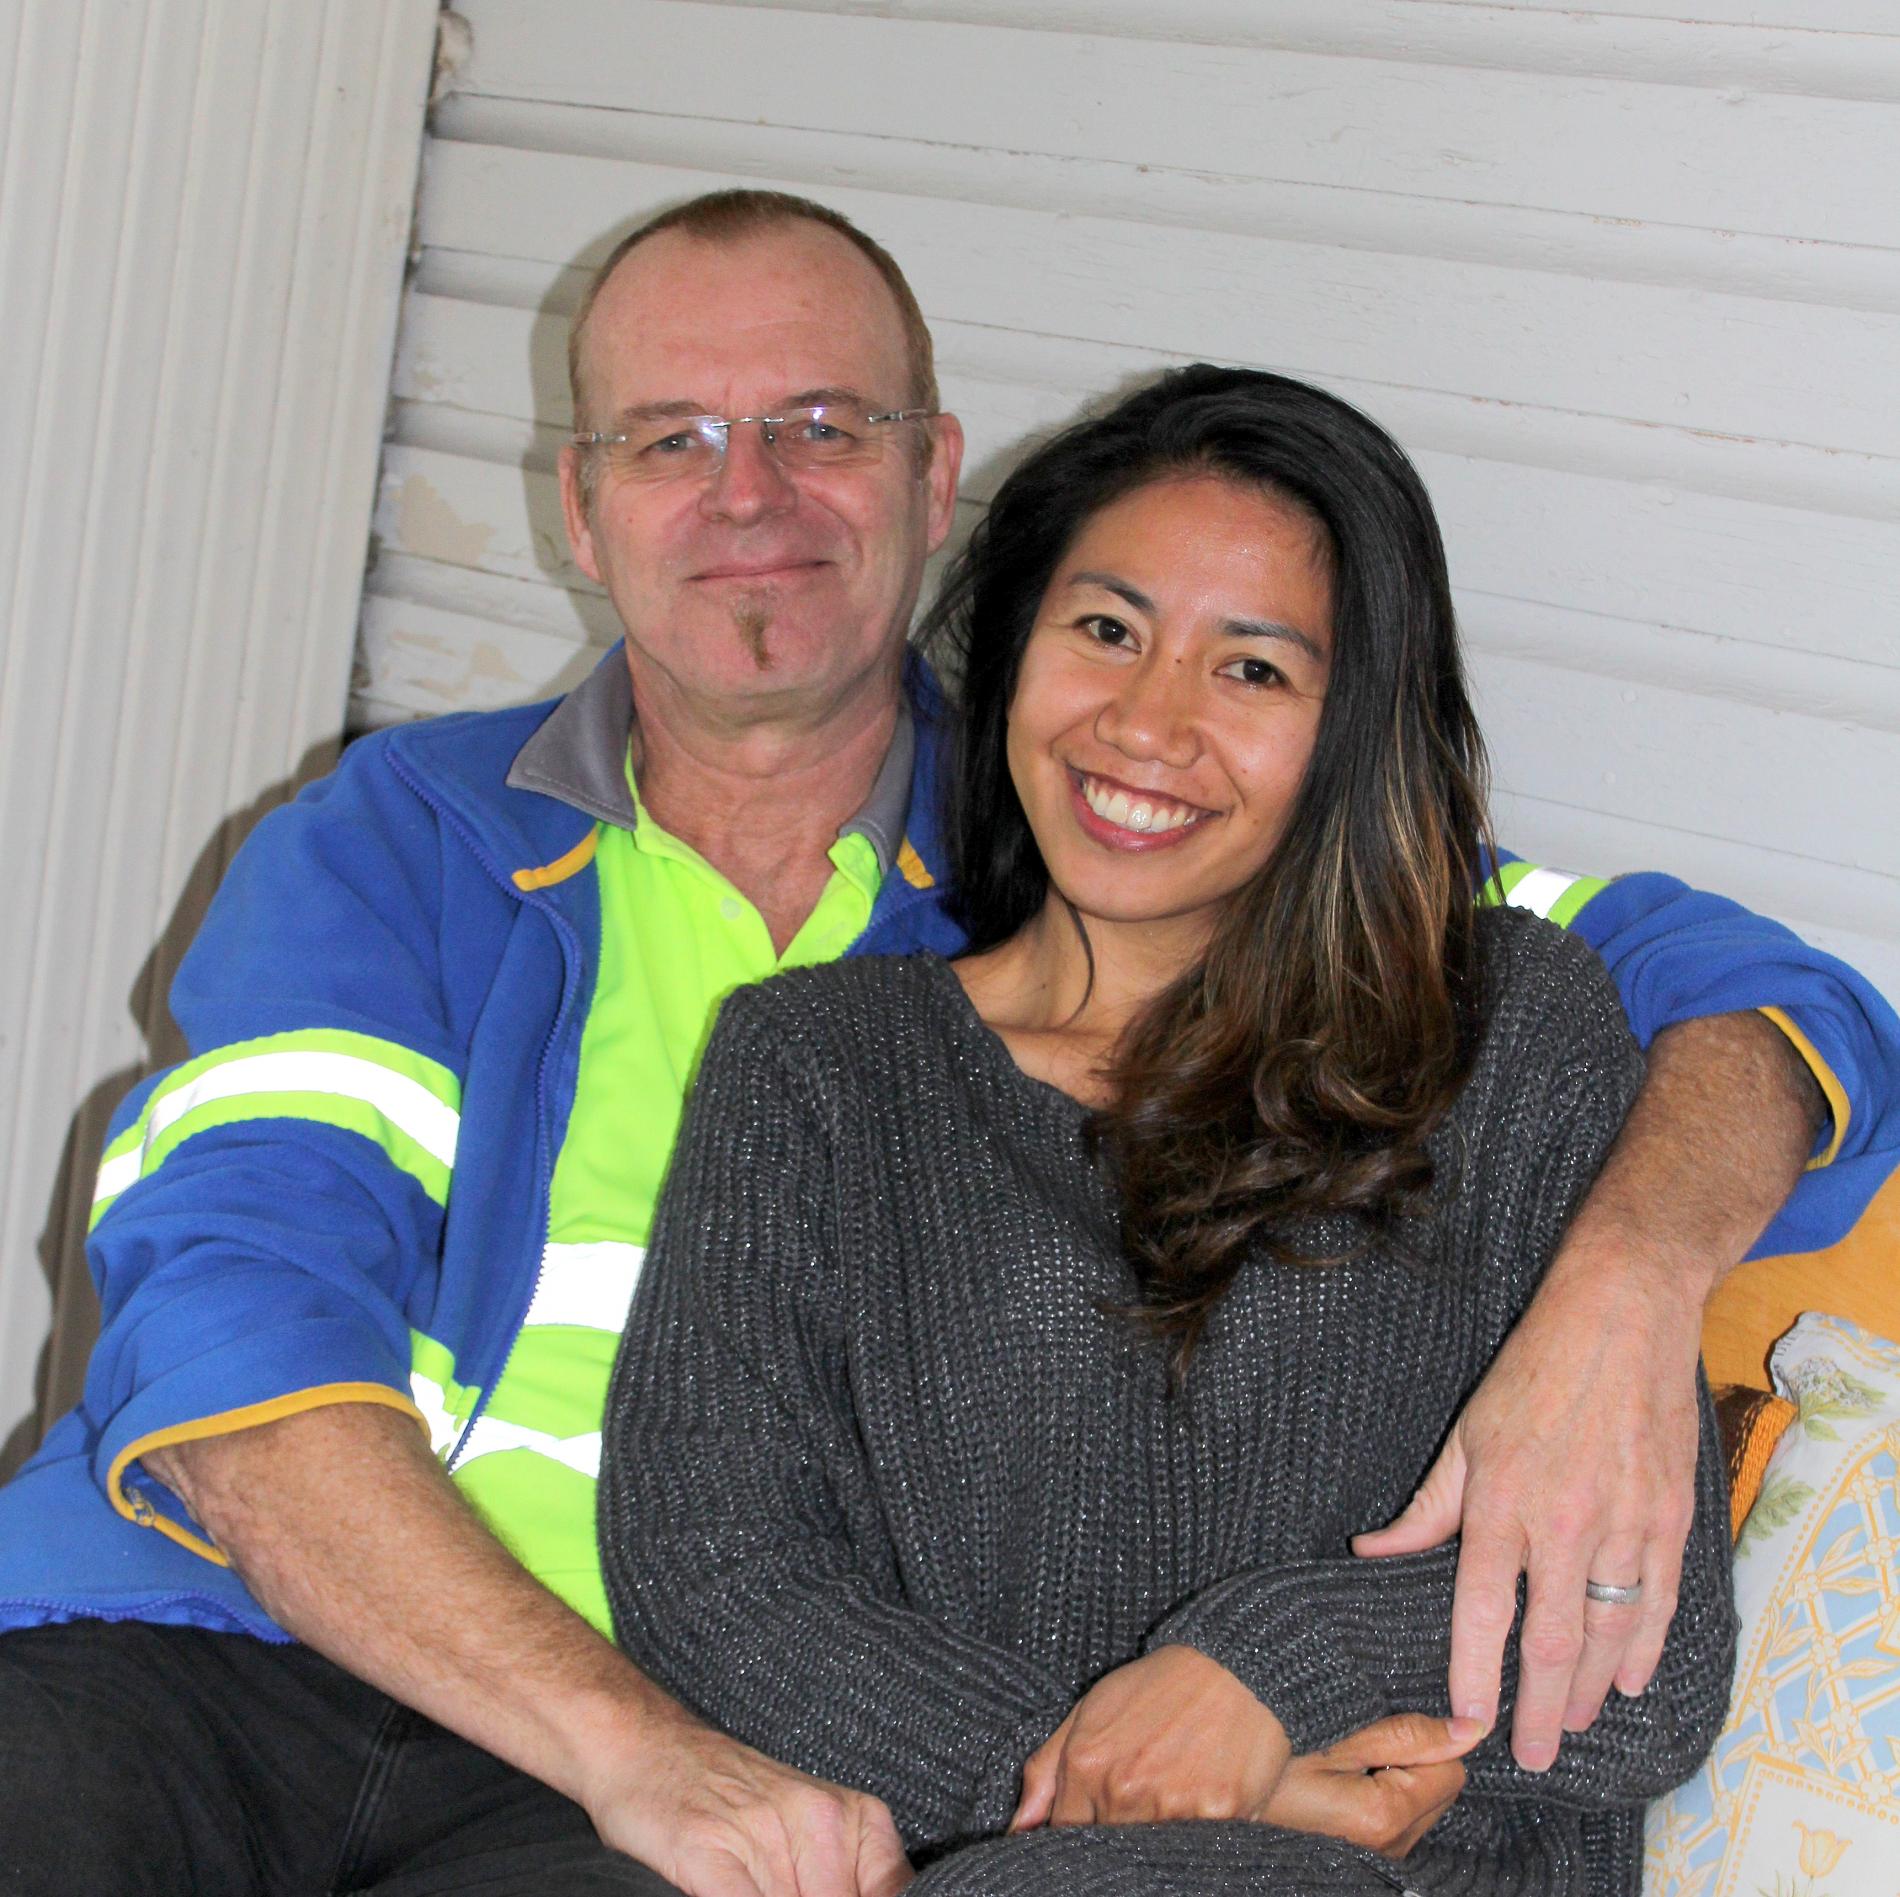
point(723, 425)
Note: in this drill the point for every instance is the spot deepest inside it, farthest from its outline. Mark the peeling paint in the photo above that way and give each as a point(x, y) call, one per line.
point(428, 524)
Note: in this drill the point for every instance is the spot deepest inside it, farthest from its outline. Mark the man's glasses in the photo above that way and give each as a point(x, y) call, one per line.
point(691, 447)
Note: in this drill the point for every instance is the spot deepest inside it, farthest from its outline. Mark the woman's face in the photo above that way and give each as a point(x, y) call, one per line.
point(1169, 697)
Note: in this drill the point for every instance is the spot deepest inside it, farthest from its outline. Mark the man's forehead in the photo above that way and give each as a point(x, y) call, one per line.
point(788, 308)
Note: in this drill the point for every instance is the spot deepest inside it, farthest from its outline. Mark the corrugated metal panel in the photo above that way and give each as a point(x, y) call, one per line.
point(1625, 277)
point(204, 211)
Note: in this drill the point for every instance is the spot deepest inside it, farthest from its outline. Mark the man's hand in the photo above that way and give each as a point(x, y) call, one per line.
point(1574, 1459)
point(1171, 1735)
point(1382, 1787)
point(485, 1650)
point(721, 1820)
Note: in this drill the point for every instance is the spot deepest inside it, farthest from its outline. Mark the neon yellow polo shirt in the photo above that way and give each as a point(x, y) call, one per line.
point(676, 938)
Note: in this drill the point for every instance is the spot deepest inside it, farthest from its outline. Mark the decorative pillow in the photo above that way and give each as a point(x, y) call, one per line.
point(1753, 1422)
point(1801, 1796)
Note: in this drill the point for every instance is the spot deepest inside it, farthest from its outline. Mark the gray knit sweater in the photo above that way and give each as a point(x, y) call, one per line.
point(884, 1490)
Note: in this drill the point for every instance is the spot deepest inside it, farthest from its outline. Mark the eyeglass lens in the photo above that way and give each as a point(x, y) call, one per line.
point(671, 446)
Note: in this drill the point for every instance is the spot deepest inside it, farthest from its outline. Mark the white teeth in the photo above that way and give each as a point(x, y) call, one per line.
point(1145, 817)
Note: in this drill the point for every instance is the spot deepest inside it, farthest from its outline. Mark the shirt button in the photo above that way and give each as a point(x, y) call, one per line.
point(731, 908)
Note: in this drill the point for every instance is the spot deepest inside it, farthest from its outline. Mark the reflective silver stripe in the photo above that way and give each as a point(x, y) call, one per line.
point(116, 1174)
point(432, 1400)
point(491, 1436)
point(404, 1102)
point(1541, 891)
point(590, 1285)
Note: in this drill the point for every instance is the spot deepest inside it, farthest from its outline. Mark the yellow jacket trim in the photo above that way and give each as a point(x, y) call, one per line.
point(570, 864)
point(913, 868)
point(1838, 1103)
point(135, 1508)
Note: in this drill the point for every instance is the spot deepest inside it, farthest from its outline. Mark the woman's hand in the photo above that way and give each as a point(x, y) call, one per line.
point(1174, 1735)
point(1171, 1735)
point(1382, 1787)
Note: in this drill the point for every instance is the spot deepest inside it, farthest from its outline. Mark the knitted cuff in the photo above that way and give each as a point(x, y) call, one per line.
point(1000, 1787)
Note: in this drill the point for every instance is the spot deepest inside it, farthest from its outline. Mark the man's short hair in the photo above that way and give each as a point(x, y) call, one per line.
point(721, 217)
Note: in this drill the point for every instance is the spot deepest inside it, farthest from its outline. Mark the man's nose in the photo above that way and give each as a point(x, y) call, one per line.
point(1150, 715)
point(748, 484)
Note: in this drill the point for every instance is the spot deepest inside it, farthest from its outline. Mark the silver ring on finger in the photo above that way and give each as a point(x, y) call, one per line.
point(1612, 1595)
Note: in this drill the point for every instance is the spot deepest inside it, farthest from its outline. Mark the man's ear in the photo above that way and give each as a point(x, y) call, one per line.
point(940, 477)
point(580, 530)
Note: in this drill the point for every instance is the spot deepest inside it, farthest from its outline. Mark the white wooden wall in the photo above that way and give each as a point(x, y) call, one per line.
point(1624, 275)
point(204, 211)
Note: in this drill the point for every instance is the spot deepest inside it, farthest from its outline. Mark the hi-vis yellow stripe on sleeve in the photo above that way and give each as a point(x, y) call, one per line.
point(1554, 894)
point(402, 1101)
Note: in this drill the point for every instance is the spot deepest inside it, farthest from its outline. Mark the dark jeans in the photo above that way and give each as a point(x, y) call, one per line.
point(140, 1761)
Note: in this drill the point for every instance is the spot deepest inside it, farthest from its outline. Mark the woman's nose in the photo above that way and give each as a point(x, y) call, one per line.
point(1150, 715)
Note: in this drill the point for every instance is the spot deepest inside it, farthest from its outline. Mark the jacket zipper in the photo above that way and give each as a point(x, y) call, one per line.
point(544, 1167)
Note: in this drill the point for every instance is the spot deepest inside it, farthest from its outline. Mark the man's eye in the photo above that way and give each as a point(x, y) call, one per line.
point(681, 442)
point(822, 433)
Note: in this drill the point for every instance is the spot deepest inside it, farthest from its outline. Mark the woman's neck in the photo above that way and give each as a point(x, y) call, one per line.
point(1060, 1008)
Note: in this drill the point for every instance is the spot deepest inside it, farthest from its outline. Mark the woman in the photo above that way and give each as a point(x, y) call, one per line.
point(1024, 1338)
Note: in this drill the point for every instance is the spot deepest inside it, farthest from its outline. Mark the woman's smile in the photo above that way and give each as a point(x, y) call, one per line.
point(1122, 817)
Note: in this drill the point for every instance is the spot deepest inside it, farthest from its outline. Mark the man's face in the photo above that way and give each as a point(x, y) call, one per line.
point(753, 591)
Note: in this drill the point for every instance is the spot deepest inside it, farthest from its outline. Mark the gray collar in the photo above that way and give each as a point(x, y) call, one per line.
point(578, 755)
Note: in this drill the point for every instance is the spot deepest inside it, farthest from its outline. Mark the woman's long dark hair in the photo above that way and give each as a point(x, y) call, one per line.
point(1299, 1068)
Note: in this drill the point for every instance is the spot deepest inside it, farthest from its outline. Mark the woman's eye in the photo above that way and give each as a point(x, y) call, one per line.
point(1254, 672)
point(1105, 630)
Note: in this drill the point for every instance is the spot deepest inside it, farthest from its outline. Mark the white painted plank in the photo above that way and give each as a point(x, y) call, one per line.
point(1839, 694)
point(1819, 16)
point(1807, 786)
point(468, 513)
point(1769, 575)
point(1718, 158)
point(1728, 364)
point(1790, 46)
point(1156, 191)
point(422, 660)
point(567, 613)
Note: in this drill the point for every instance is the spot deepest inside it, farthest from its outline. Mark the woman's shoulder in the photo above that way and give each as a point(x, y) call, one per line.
point(845, 1007)
point(1548, 1000)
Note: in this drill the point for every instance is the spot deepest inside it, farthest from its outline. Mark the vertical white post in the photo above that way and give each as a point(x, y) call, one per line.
point(204, 211)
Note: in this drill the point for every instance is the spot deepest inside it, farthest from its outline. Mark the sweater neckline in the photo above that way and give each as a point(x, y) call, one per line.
point(994, 1052)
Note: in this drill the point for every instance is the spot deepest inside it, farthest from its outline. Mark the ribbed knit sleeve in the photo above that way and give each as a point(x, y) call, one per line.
point(760, 1585)
point(1332, 1645)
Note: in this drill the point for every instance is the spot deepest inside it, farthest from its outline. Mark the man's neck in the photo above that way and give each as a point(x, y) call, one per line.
point(763, 799)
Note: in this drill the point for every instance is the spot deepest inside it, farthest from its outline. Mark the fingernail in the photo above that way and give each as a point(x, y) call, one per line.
point(1476, 1711)
point(1466, 1730)
point(1539, 1757)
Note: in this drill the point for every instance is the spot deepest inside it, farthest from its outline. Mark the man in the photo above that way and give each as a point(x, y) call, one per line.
point(443, 1016)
